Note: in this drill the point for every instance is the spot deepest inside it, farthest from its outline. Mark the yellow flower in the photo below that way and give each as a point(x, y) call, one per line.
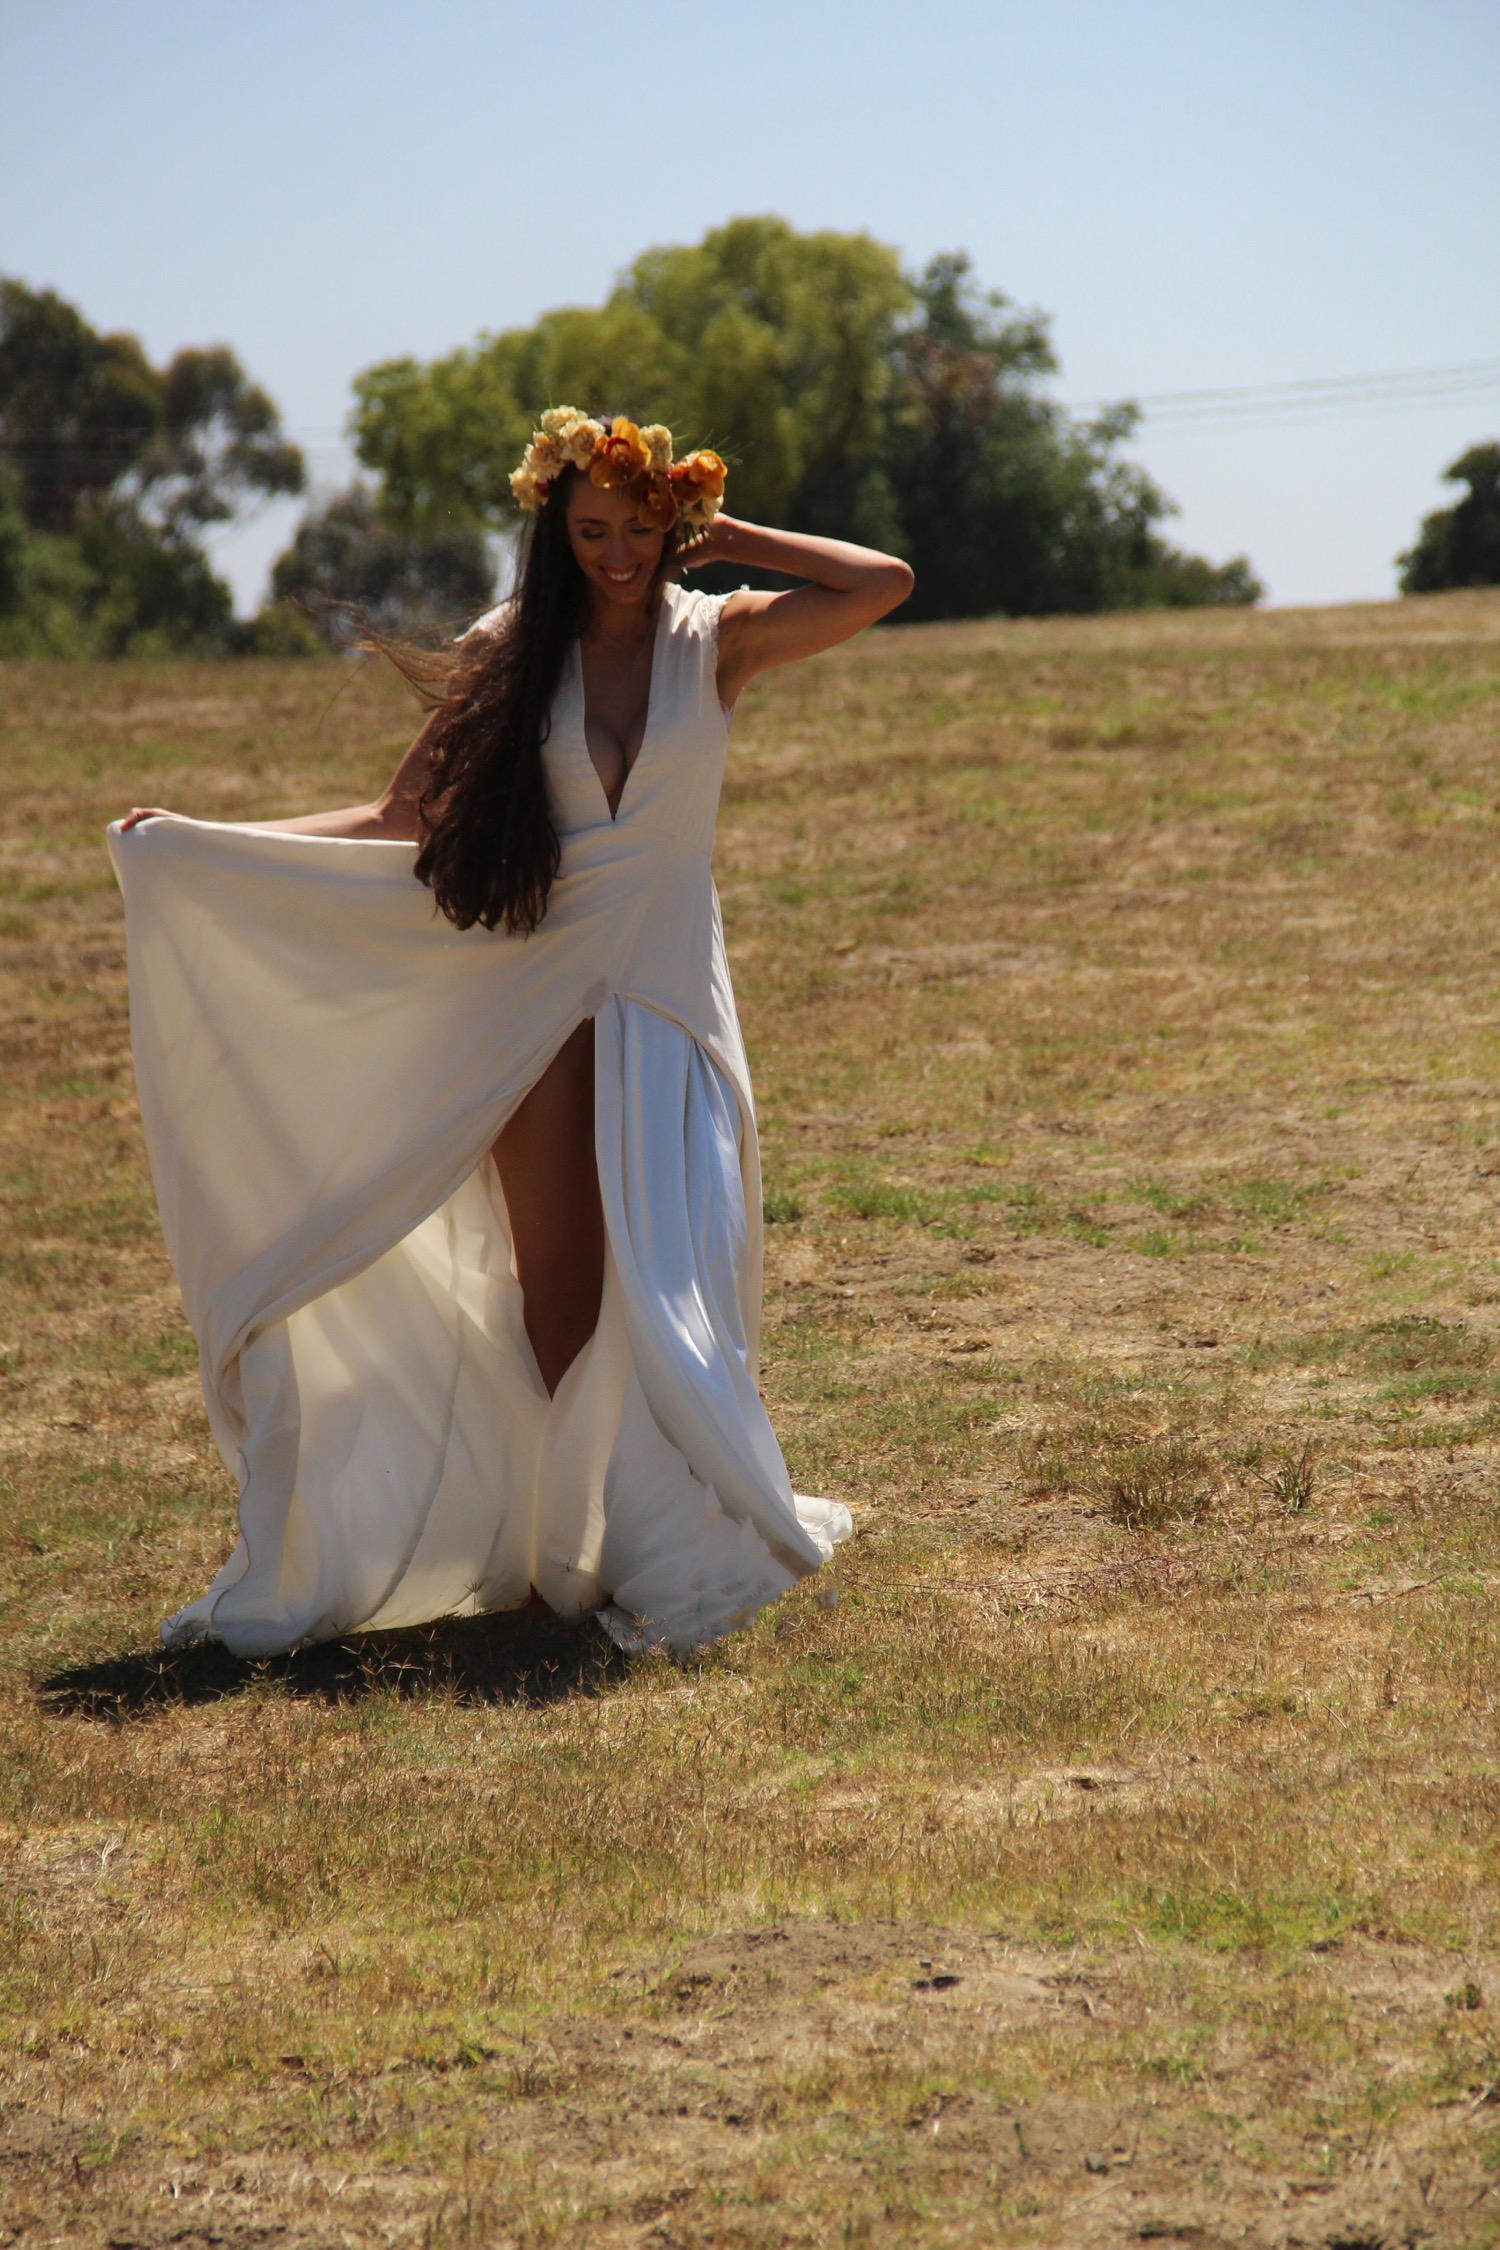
point(657, 439)
point(527, 492)
point(559, 423)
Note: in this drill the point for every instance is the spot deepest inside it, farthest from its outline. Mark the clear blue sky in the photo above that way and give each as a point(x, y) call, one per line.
point(1202, 193)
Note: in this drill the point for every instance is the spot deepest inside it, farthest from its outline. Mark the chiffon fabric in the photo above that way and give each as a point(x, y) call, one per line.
point(323, 1063)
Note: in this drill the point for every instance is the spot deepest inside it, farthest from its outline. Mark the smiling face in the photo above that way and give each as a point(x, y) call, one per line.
point(617, 553)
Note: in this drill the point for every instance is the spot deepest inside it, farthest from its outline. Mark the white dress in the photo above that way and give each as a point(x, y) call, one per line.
point(323, 1062)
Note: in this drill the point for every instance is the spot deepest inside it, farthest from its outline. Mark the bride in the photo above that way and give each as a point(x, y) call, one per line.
point(462, 1190)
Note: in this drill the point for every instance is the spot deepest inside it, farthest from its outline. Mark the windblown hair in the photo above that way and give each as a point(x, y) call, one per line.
point(491, 851)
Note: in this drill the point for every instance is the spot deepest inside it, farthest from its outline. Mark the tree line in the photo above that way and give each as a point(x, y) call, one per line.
point(850, 397)
point(114, 471)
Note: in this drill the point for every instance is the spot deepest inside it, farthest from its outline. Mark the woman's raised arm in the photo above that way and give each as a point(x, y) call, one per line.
point(847, 589)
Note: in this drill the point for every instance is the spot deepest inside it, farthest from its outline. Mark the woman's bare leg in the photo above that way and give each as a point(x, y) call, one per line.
point(545, 1157)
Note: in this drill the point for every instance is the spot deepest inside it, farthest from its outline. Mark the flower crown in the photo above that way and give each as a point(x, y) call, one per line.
point(622, 458)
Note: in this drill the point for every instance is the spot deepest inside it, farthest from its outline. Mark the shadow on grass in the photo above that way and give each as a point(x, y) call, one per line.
point(517, 1656)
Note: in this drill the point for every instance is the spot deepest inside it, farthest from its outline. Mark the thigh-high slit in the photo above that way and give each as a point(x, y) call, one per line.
point(549, 1176)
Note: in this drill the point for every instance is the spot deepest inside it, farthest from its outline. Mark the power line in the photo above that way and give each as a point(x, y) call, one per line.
point(1276, 405)
point(1262, 405)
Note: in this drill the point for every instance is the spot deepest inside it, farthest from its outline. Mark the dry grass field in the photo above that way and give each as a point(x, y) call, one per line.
point(1115, 1861)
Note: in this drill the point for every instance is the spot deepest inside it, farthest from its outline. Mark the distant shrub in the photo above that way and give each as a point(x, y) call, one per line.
point(1459, 546)
point(348, 569)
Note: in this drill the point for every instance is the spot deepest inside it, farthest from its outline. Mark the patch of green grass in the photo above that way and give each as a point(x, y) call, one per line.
point(1442, 1437)
point(1273, 1201)
point(1416, 1341)
point(1083, 1226)
point(1435, 1357)
point(1315, 1347)
point(1161, 1242)
point(888, 1199)
point(1256, 1196)
point(1443, 1385)
point(1025, 1207)
point(137, 1349)
point(1172, 1202)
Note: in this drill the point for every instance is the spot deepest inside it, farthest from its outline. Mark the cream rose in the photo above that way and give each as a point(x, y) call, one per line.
point(582, 441)
point(657, 439)
point(544, 459)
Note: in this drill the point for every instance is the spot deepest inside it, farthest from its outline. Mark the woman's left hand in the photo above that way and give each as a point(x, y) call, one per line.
point(706, 548)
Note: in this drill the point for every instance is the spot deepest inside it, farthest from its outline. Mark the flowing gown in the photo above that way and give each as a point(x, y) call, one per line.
point(323, 1063)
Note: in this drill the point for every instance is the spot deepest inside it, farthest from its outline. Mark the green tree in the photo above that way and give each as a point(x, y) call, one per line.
point(149, 592)
point(13, 541)
point(1460, 546)
point(116, 469)
point(44, 583)
point(76, 409)
point(770, 345)
point(346, 566)
point(1005, 504)
point(1168, 579)
point(217, 449)
point(782, 347)
point(443, 439)
point(983, 470)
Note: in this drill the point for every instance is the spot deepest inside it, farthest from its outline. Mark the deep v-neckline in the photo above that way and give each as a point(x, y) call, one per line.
point(614, 810)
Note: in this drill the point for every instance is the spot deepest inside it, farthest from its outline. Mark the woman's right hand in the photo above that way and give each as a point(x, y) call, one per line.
point(139, 813)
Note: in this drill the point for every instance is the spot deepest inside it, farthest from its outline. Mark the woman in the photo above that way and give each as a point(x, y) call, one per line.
point(447, 1382)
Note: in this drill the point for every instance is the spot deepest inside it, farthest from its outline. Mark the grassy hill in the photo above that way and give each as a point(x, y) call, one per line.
point(1116, 1859)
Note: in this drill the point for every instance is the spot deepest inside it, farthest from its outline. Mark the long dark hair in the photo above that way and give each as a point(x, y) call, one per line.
point(491, 850)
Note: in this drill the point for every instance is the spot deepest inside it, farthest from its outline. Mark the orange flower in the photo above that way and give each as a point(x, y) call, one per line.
point(622, 457)
point(704, 471)
point(657, 505)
